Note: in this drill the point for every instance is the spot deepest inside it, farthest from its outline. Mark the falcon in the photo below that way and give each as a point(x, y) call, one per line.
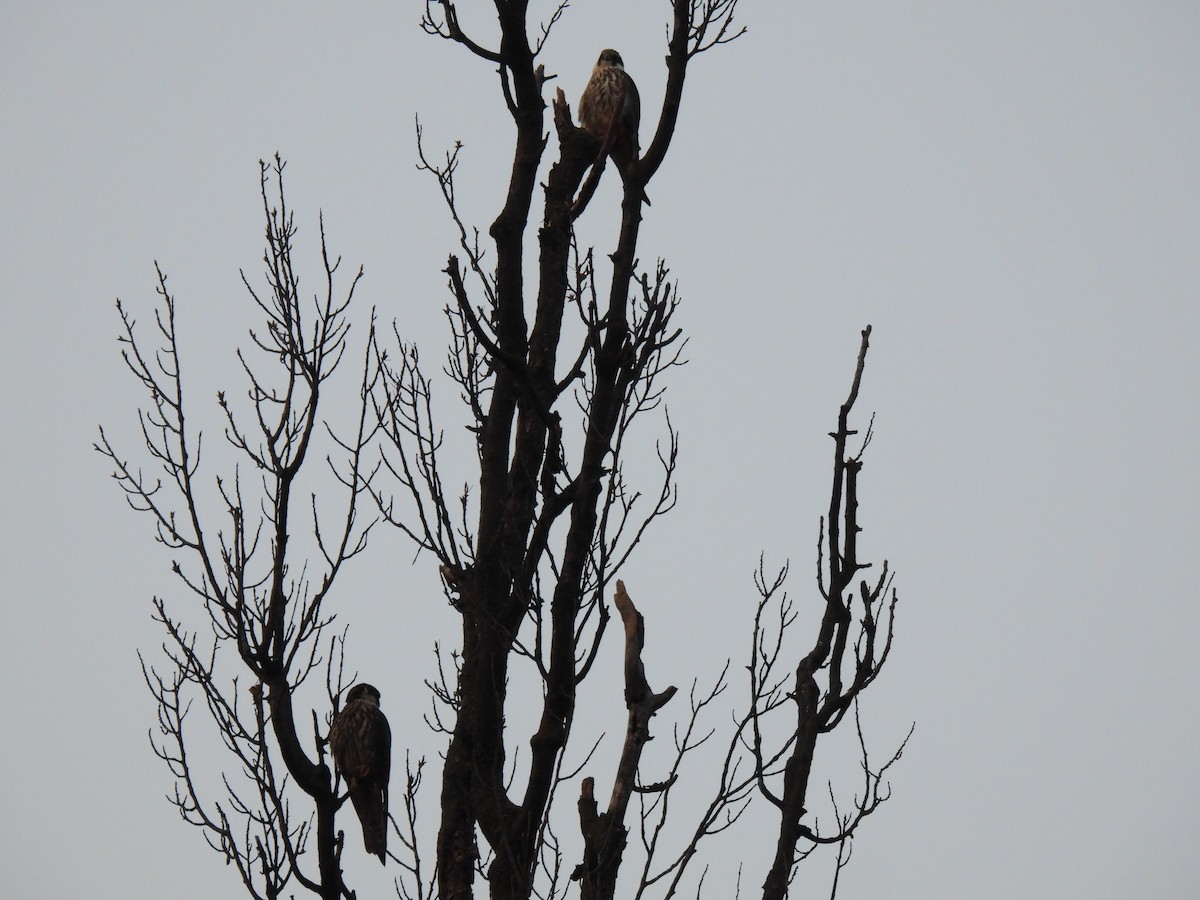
point(361, 743)
point(611, 100)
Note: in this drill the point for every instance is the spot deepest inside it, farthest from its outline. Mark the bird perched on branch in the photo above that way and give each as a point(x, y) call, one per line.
point(611, 101)
point(361, 743)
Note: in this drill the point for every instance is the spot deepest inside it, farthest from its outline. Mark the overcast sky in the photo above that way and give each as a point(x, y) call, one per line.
point(1009, 193)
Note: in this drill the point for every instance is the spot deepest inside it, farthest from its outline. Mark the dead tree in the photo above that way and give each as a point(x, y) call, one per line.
point(240, 551)
point(554, 375)
point(827, 682)
point(554, 519)
point(853, 641)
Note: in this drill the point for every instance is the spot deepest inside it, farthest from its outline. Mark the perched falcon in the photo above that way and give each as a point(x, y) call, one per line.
point(361, 743)
point(601, 106)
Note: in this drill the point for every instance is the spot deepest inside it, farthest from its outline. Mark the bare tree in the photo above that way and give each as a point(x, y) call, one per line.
point(860, 622)
point(527, 550)
point(263, 599)
point(848, 652)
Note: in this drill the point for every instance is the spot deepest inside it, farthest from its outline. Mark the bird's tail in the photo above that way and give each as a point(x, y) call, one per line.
point(371, 806)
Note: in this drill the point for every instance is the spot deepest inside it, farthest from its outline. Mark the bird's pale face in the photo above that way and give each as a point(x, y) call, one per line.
point(611, 58)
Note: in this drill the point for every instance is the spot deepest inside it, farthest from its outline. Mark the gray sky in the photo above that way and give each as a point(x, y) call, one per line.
point(1009, 194)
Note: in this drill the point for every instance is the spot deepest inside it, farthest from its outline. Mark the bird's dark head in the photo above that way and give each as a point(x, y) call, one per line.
point(610, 57)
point(363, 691)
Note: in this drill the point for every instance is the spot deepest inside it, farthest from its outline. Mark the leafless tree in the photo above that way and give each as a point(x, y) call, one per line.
point(527, 551)
point(263, 597)
point(817, 691)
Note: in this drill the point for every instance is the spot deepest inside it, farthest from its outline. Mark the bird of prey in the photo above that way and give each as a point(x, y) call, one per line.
point(361, 743)
point(611, 100)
